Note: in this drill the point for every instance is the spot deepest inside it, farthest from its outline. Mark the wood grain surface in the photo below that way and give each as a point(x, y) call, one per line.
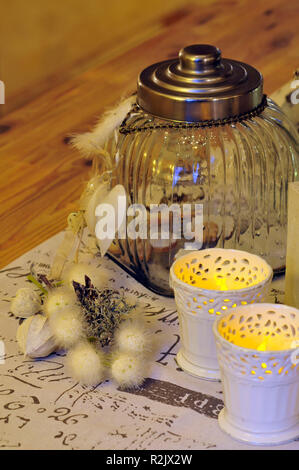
point(43, 43)
point(41, 176)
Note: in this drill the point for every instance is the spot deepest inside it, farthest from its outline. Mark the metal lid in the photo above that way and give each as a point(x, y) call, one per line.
point(199, 86)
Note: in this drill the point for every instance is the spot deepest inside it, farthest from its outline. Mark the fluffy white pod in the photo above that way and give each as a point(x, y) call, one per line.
point(127, 370)
point(67, 326)
point(137, 305)
point(35, 337)
point(76, 272)
point(58, 299)
point(132, 337)
point(25, 303)
point(86, 364)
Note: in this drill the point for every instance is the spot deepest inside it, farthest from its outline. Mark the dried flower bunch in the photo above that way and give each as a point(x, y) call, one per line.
point(103, 310)
point(101, 329)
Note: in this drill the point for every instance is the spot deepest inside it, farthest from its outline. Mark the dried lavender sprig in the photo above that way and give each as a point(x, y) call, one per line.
point(103, 310)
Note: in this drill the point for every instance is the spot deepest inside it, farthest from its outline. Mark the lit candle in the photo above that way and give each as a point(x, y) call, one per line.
point(260, 376)
point(292, 261)
point(206, 284)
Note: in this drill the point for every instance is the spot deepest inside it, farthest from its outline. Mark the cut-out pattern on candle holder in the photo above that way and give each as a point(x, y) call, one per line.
point(255, 346)
point(266, 334)
point(237, 277)
point(206, 284)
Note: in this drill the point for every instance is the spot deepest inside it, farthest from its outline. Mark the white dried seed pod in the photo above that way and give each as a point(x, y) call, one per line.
point(35, 337)
point(136, 304)
point(26, 302)
point(127, 370)
point(67, 326)
point(77, 272)
point(132, 337)
point(58, 299)
point(86, 364)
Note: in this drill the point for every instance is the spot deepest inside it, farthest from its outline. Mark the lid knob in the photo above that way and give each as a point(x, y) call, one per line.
point(199, 57)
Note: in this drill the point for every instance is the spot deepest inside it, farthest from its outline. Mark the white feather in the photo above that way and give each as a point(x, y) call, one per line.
point(91, 142)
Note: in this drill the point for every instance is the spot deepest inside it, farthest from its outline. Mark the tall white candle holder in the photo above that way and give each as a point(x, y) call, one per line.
point(206, 283)
point(259, 372)
point(292, 266)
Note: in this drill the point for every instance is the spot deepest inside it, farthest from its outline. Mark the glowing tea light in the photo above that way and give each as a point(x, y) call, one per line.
point(263, 345)
point(276, 342)
point(221, 283)
point(257, 357)
point(206, 284)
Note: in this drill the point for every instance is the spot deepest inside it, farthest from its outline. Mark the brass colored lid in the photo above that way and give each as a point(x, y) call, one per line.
point(199, 86)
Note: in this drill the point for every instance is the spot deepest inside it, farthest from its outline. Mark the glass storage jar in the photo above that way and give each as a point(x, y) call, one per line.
point(202, 131)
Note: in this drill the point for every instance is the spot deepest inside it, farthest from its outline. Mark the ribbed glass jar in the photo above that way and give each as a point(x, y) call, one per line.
point(238, 171)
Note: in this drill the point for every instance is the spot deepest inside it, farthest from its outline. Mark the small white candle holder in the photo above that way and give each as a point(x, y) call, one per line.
point(206, 283)
point(259, 372)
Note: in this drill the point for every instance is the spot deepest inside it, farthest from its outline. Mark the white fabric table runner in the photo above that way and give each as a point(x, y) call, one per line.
point(42, 407)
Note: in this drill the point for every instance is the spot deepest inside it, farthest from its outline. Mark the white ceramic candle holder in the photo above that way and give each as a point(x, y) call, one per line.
point(206, 283)
point(255, 346)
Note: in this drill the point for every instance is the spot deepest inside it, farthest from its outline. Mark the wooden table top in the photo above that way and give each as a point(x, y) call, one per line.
point(41, 176)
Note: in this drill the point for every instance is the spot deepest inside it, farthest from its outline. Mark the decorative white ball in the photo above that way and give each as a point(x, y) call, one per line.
point(76, 272)
point(58, 299)
point(26, 303)
point(126, 370)
point(86, 364)
point(131, 338)
point(67, 327)
point(137, 305)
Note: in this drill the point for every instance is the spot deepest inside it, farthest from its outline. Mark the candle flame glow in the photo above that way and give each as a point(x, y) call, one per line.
point(221, 282)
point(263, 345)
